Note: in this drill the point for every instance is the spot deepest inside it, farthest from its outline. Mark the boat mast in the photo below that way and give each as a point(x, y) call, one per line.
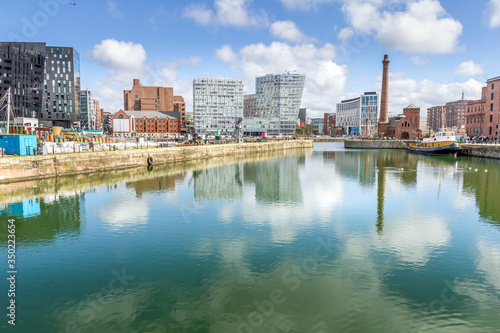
point(8, 110)
point(443, 120)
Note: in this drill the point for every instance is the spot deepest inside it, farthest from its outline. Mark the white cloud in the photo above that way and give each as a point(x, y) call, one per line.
point(200, 13)
point(302, 4)
point(287, 30)
point(426, 93)
point(469, 68)
point(116, 55)
point(325, 80)
point(492, 13)
point(113, 9)
point(419, 61)
point(225, 54)
point(227, 13)
point(346, 33)
point(423, 27)
point(126, 61)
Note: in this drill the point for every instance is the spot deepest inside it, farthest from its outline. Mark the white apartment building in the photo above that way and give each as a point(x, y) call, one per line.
point(217, 104)
point(274, 107)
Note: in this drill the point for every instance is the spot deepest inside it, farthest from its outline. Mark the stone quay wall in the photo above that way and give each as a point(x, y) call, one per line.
point(21, 168)
point(480, 150)
point(375, 144)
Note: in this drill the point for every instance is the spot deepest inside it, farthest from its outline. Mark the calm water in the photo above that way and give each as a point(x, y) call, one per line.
point(323, 240)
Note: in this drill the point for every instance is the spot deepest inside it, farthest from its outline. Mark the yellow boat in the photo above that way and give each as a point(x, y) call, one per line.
point(441, 143)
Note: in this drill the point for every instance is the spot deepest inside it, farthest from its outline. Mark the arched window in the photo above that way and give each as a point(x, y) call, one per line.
point(120, 116)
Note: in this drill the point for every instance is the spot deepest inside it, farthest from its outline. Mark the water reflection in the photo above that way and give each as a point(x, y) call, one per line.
point(361, 241)
point(46, 218)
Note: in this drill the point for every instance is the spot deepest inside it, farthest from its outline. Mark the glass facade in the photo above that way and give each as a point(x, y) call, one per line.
point(280, 95)
point(355, 114)
point(22, 67)
point(62, 87)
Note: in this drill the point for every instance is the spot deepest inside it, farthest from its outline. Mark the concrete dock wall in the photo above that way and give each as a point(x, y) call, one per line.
point(478, 150)
point(20, 168)
point(374, 144)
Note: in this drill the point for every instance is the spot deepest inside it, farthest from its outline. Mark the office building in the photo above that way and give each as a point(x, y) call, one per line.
point(88, 111)
point(280, 95)
point(45, 81)
point(22, 67)
point(62, 87)
point(217, 105)
point(358, 116)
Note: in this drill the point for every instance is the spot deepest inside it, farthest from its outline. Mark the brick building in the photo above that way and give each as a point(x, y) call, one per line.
point(328, 123)
point(405, 126)
point(154, 98)
point(492, 108)
point(146, 123)
point(454, 116)
point(474, 116)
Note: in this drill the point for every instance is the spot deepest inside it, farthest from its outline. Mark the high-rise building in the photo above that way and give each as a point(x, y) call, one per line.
point(62, 87)
point(274, 108)
point(217, 105)
point(154, 98)
point(358, 116)
point(45, 81)
point(88, 110)
point(22, 67)
point(280, 95)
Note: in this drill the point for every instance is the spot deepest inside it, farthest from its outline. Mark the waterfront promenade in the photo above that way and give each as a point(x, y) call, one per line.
point(468, 149)
point(20, 168)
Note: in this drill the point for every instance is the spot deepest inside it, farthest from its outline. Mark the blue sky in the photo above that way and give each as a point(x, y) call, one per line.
point(437, 48)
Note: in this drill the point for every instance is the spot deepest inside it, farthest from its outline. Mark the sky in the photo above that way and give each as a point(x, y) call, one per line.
point(438, 49)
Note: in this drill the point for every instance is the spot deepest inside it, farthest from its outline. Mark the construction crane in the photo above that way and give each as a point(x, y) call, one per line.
point(238, 132)
point(6, 100)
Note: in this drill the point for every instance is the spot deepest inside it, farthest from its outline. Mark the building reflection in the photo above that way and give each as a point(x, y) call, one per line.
point(225, 182)
point(482, 180)
point(277, 180)
point(162, 183)
point(46, 218)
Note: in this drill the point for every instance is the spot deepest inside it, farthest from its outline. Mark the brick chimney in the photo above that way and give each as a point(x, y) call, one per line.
point(137, 82)
point(384, 102)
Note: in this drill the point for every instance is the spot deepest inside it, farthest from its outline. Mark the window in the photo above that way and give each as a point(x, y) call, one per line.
point(492, 96)
point(491, 107)
point(491, 118)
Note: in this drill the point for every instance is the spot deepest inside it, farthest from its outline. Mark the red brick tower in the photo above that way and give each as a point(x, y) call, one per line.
point(384, 102)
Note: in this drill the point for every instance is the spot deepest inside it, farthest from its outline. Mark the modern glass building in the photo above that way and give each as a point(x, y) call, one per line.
point(88, 111)
point(22, 67)
point(45, 81)
point(62, 87)
point(217, 104)
point(358, 116)
point(274, 107)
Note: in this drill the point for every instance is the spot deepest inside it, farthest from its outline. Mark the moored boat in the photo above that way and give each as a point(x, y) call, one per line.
point(441, 143)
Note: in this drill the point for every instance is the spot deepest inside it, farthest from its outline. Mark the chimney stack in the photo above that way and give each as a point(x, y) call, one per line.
point(384, 103)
